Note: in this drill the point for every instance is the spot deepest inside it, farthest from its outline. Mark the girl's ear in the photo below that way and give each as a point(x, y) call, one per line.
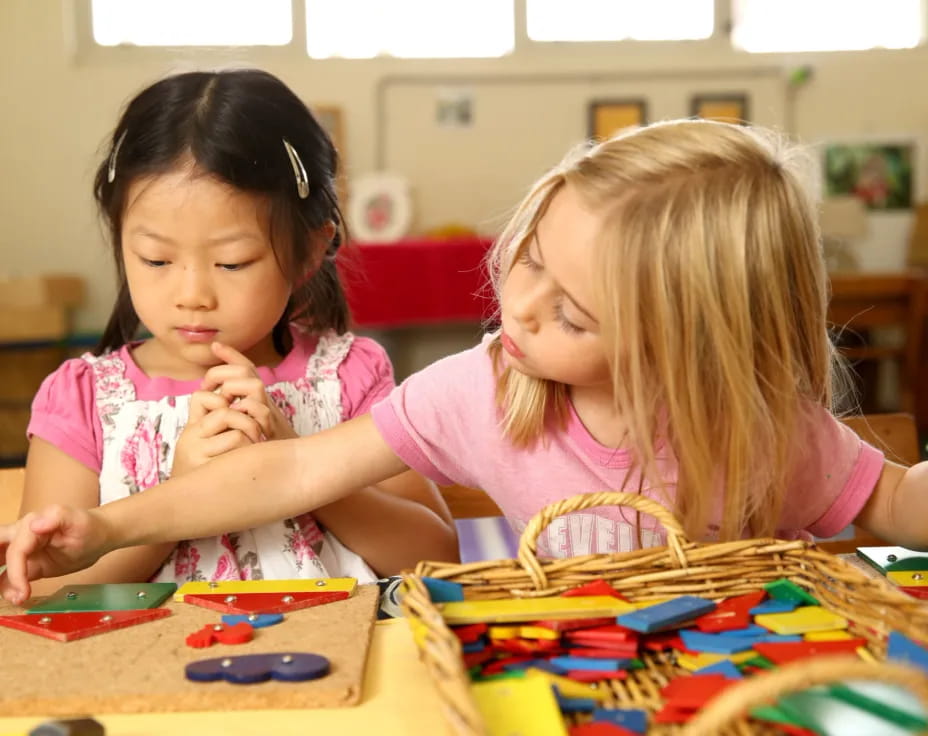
point(328, 231)
point(321, 239)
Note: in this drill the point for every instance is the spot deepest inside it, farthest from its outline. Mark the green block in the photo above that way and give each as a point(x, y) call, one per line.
point(758, 661)
point(516, 674)
point(106, 597)
point(880, 707)
point(773, 714)
point(787, 590)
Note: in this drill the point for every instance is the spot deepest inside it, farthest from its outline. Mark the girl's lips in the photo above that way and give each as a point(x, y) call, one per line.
point(510, 347)
point(197, 334)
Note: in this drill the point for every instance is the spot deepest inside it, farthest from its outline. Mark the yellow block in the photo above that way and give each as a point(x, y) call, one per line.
point(503, 632)
point(836, 635)
point(802, 620)
point(567, 687)
point(694, 662)
point(536, 632)
point(532, 609)
point(909, 578)
point(235, 587)
point(519, 706)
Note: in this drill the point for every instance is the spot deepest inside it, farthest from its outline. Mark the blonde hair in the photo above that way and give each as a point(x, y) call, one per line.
point(711, 303)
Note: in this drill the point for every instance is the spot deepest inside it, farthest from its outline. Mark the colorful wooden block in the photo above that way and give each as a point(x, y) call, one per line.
point(531, 609)
point(246, 603)
point(908, 578)
point(525, 705)
point(71, 626)
point(666, 614)
point(247, 669)
point(774, 607)
point(903, 649)
point(106, 597)
point(726, 668)
point(888, 558)
point(633, 719)
point(803, 619)
point(441, 591)
point(256, 620)
point(236, 587)
point(790, 652)
point(786, 590)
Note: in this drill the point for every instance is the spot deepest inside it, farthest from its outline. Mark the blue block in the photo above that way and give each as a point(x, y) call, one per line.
point(632, 719)
point(902, 649)
point(474, 646)
point(538, 664)
point(700, 642)
point(574, 705)
point(443, 591)
point(666, 614)
point(775, 606)
point(747, 632)
point(726, 667)
point(257, 620)
point(591, 663)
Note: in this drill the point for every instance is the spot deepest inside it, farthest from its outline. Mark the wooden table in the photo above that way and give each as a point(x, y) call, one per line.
point(399, 700)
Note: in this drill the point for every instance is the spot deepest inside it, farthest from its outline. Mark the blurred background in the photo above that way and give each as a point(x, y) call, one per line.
point(444, 112)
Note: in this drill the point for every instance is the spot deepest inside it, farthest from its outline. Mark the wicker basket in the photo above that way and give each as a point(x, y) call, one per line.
point(682, 567)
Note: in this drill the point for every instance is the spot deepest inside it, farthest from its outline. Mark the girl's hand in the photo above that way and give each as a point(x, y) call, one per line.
point(240, 385)
point(212, 429)
point(49, 543)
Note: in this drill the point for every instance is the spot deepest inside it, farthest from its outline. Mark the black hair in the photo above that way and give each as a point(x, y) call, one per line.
point(233, 124)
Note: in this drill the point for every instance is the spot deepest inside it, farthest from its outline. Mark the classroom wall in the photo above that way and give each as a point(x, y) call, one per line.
point(60, 98)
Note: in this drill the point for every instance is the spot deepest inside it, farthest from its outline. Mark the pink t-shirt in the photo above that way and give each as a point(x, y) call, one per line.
point(64, 412)
point(444, 422)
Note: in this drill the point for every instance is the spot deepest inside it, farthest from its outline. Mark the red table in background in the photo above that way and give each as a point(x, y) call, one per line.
point(417, 281)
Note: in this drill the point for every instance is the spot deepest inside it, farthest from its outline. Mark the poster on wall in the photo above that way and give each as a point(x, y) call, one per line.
point(880, 174)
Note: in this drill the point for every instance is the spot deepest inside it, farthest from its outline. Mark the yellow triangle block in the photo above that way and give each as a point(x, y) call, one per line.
point(234, 587)
point(567, 687)
point(908, 578)
point(503, 632)
point(802, 620)
point(518, 706)
point(834, 635)
point(532, 609)
point(694, 662)
point(538, 632)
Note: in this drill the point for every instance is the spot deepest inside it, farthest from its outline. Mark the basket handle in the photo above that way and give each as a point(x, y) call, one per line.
point(766, 688)
point(540, 521)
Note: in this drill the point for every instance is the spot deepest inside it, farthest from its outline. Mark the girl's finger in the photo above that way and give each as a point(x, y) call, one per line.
point(222, 443)
point(224, 420)
point(202, 403)
point(258, 411)
point(240, 388)
point(219, 374)
point(230, 355)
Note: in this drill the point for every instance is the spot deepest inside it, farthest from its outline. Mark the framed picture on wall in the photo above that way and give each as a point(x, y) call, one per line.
point(606, 117)
point(879, 173)
point(726, 108)
point(330, 118)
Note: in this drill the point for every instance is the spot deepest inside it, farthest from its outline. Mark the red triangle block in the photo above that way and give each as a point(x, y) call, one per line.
point(71, 626)
point(264, 602)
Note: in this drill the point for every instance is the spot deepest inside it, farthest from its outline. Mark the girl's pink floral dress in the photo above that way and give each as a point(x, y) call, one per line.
point(139, 437)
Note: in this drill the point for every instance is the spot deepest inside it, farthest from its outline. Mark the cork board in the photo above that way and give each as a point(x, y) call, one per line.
point(141, 668)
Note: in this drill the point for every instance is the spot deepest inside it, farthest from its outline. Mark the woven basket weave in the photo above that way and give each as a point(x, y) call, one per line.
point(681, 567)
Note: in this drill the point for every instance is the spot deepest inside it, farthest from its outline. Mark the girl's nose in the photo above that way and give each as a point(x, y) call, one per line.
point(195, 291)
point(525, 310)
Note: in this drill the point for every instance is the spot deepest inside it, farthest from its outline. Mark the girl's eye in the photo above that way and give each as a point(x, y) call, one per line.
point(231, 266)
point(565, 323)
point(526, 260)
point(153, 262)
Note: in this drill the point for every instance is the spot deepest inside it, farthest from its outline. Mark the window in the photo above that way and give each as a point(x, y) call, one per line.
point(614, 20)
point(362, 29)
point(192, 22)
point(826, 25)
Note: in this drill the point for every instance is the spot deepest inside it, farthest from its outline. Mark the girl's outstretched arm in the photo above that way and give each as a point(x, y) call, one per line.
point(897, 510)
point(54, 477)
point(394, 524)
point(239, 490)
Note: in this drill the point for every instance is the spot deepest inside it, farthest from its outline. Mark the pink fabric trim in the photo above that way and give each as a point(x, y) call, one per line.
point(855, 494)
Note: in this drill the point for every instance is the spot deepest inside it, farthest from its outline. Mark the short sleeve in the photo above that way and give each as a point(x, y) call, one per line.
point(64, 413)
point(834, 476)
point(442, 420)
point(366, 375)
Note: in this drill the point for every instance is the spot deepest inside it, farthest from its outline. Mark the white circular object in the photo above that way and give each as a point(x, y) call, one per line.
point(380, 207)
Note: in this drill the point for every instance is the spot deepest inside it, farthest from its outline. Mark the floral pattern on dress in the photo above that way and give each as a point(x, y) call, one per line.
point(139, 439)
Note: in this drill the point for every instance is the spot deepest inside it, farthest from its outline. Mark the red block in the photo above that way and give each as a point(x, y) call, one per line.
point(781, 653)
point(596, 675)
point(599, 728)
point(470, 633)
point(264, 602)
point(596, 587)
point(71, 626)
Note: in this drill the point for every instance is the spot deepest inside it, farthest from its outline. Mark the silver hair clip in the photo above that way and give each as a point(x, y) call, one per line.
point(111, 169)
point(302, 181)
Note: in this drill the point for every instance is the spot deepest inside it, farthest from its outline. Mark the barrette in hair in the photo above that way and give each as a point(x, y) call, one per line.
point(302, 181)
point(111, 169)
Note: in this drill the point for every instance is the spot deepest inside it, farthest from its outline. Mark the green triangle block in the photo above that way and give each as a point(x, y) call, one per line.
point(105, 597)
